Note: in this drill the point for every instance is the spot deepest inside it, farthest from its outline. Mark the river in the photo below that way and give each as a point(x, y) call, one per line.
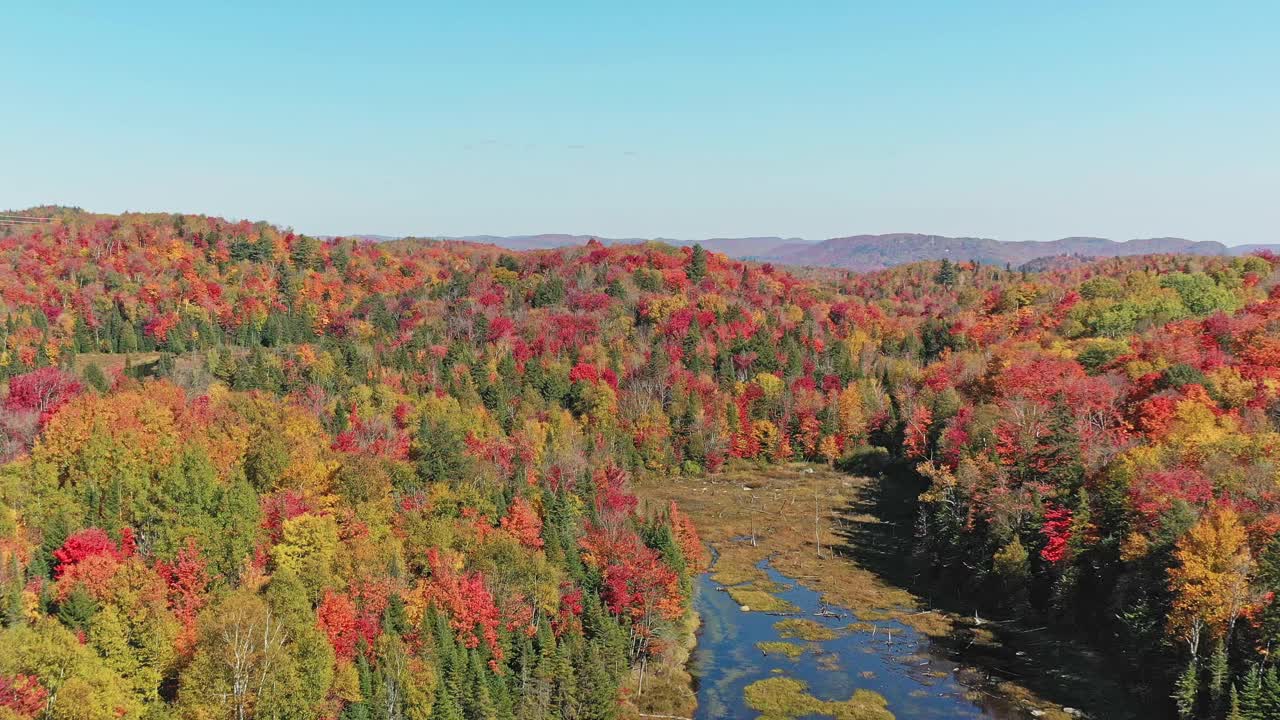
point(892, 659)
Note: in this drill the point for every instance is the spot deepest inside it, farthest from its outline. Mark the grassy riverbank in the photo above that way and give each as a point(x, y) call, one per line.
point(665, 688)
point(748, 514)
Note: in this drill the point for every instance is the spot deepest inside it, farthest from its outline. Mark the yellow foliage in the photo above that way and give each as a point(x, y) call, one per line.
point(505, 276)
point(308, 547)
point(1196, 431)
point(770, 383)
point(853, 418)
point(131, 431)
point(661, 306)
point(1138, 461)
point(766, 433)
point(1135, 546)
point(1138, 368)
point(346, 682)
point(1210, 582)
point(829, 449)
point(1233, 390)
point(713, 302)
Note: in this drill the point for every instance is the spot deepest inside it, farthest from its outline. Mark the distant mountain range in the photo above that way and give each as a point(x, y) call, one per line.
point(876, 252)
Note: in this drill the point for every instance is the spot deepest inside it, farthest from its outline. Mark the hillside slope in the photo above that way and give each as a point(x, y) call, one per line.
point(415, 456)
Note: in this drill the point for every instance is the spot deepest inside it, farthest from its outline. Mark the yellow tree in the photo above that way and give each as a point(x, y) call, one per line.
point(829, 449)
point(853, 417)
point(1210, 582)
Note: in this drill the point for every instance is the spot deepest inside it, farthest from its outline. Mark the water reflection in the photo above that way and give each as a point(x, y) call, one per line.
point(884, 656)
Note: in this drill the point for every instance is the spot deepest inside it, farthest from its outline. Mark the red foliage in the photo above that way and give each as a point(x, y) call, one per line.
point(523, 522)
point(500, 327)
point(570, 612)
point(687, 538)
point(1153, 494)
point(613, 502)
point(281, 506)
point(473, 614)
point(42, 391)
point(1057, 534)
point(584, 372)
point(23, 695)
point(916, 442)
point(637, 585)
point(346, 629)
point(88, 543)
point(375, 437)
point(187, 578)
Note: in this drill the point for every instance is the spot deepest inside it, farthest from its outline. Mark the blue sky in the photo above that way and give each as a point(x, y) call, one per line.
point(1014, 120)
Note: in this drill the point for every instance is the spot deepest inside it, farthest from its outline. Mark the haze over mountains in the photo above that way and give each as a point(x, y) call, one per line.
point(876, 252)
point(855, 252)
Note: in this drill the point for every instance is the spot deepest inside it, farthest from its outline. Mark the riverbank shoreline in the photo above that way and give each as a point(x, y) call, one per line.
point(802, 518)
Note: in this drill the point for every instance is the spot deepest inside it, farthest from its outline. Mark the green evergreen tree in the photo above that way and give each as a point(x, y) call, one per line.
point(1233, 706)
point(1219, 675)
point(445, 706)
point(78, 609)
point(697, 264)
point(1187, 690)
point(440, 453)
point(1250, 696)
point(946, 274)
point(1269, 695)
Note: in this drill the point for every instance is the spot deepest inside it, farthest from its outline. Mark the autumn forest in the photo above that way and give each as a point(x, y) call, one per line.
point(251, 474)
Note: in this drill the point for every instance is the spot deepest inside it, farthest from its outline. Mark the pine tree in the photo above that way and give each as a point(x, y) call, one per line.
point(1219, 674)
point(500, 694)
point(1187, 689)
point(1269, 696)
point(441, 451)
point(566, 686)
point(477, 704)
point(697, 264)
point(946, 274)
point(1250, 696)
point(1233, 705)
point(94, 377)
point(445, 706)
point(78, 609)
point(1057, 458)
point(598, 688)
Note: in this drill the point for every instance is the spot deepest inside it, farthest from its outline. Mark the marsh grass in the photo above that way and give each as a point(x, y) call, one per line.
point(801, 629)
point(759, 600)
point(783, 698)
point(781, 647)
point(781, 516)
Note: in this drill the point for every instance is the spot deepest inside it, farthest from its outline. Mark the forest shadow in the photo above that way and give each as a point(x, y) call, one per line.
point(877, 529)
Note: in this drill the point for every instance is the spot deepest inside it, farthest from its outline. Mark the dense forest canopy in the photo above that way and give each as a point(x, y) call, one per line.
point(254, 474)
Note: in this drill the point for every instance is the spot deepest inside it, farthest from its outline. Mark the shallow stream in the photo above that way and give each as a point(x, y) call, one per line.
point(880, 655)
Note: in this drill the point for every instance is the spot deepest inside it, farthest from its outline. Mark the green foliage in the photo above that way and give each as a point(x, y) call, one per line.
point(1200, 293)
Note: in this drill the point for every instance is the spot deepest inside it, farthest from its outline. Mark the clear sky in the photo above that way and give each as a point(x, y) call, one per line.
point(1015, 120)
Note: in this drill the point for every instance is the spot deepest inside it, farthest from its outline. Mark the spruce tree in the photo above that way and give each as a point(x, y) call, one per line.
point(1269, 697)
point(1219, 674)
point(1250, 696)
point(445, 706)
point(946, 274)
point(1233, 705)
point(1187, 689)
point(697, 264)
